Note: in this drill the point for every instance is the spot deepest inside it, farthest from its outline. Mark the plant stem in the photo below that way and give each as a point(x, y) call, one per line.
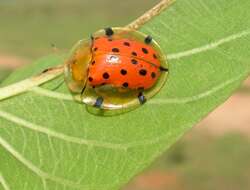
point(29, 83)
point(49, 74)
point(136, 24)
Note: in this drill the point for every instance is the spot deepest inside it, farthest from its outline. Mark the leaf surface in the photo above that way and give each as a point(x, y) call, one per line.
point(48, 141)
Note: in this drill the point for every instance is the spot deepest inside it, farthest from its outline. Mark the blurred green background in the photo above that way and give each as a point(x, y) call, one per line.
point(28, 27)
point(214, 155)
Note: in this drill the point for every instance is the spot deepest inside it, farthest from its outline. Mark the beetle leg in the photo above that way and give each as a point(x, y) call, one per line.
point(148, 39)
point(163, 69)
point(142, 99)
point(109, 31)
point(98, 102)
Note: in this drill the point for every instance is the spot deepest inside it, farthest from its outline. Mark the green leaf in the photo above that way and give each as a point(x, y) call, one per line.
point(49, 141)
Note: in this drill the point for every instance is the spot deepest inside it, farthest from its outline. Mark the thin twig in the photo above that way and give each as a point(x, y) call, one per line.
point(135, 25)
point(29, 83)
point(51, 73)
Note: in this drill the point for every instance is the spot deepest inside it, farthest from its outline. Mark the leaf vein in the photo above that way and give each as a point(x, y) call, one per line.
point(4, 182)
point(33, 168)
point(209, 46)
point(156, 101)
point(58, 135)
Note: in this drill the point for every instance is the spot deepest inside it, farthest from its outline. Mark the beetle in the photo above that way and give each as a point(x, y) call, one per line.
point(116, 68)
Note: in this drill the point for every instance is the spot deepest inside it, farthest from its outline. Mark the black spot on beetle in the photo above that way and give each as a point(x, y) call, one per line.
point(125, 84)
point(123, 72)
point(90, 79)
point(115, 50)
point(126, 43)
point(105, 75)
point(134, 53)
point(144, 50)
point(143, 72)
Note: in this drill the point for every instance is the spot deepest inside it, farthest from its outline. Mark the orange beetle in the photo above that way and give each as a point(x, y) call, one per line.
point(123, 59)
